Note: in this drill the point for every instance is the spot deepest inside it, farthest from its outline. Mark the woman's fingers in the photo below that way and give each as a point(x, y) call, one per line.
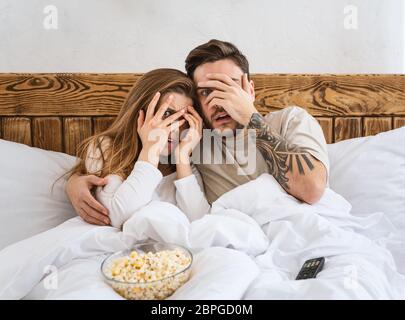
point(173, 117)
point(165, 105)
point(191, 121)
point(195, 114)
point(151, 107)
point(194, 131)
point(181, 122)
point(175, 126)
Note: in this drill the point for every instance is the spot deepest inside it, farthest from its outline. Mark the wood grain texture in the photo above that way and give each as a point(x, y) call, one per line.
point(64, 94)
point(376, 125)
point(399, 122)
point(34, 108)
point(333, 95)
point(103, 94)
point(102, 123)
point(47, 133)
point(347, 128)
point(17, 129)
point(327, 127)
point(75, 131)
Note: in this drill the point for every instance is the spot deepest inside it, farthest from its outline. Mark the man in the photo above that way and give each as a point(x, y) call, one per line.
point(291, 142)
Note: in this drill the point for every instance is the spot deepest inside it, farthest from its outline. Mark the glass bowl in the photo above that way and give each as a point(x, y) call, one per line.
point(148, 290)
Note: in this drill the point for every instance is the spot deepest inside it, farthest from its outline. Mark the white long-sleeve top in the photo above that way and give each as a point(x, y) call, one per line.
point(123, 198)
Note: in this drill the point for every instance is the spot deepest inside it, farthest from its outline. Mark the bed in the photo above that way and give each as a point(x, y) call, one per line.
point(362, 117)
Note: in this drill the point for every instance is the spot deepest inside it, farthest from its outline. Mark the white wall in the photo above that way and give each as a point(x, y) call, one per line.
point(291, 36)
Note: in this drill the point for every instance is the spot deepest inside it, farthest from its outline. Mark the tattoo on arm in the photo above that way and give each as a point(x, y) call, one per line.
point(277, 152)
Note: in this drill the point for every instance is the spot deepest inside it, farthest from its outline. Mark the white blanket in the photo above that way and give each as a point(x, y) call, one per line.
point(251, 246)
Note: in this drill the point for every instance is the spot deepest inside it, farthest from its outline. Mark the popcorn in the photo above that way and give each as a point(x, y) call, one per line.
point(151, 275)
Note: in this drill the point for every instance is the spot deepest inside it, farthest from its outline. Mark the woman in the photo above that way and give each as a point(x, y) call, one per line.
point(132, 154)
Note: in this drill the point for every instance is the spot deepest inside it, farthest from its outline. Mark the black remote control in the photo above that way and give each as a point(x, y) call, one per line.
point(311, 268)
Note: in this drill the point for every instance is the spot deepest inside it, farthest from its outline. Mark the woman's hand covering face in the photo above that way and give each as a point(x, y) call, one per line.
point(154, 129)
point(192, 135)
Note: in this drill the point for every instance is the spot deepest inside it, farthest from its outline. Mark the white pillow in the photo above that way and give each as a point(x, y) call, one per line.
point(27, 206)
point(370, 173)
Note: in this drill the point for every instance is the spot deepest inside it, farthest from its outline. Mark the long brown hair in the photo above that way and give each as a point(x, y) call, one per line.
point(124, 145)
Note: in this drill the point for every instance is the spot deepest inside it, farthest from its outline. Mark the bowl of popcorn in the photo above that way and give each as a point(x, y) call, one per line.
point(148, 271)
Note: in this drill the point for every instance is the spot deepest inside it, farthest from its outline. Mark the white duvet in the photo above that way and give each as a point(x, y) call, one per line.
point(251, 246)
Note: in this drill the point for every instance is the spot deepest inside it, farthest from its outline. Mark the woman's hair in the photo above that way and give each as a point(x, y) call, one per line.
point(119, 155)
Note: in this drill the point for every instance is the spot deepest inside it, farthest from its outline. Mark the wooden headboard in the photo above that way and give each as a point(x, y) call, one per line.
point(57, 111)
